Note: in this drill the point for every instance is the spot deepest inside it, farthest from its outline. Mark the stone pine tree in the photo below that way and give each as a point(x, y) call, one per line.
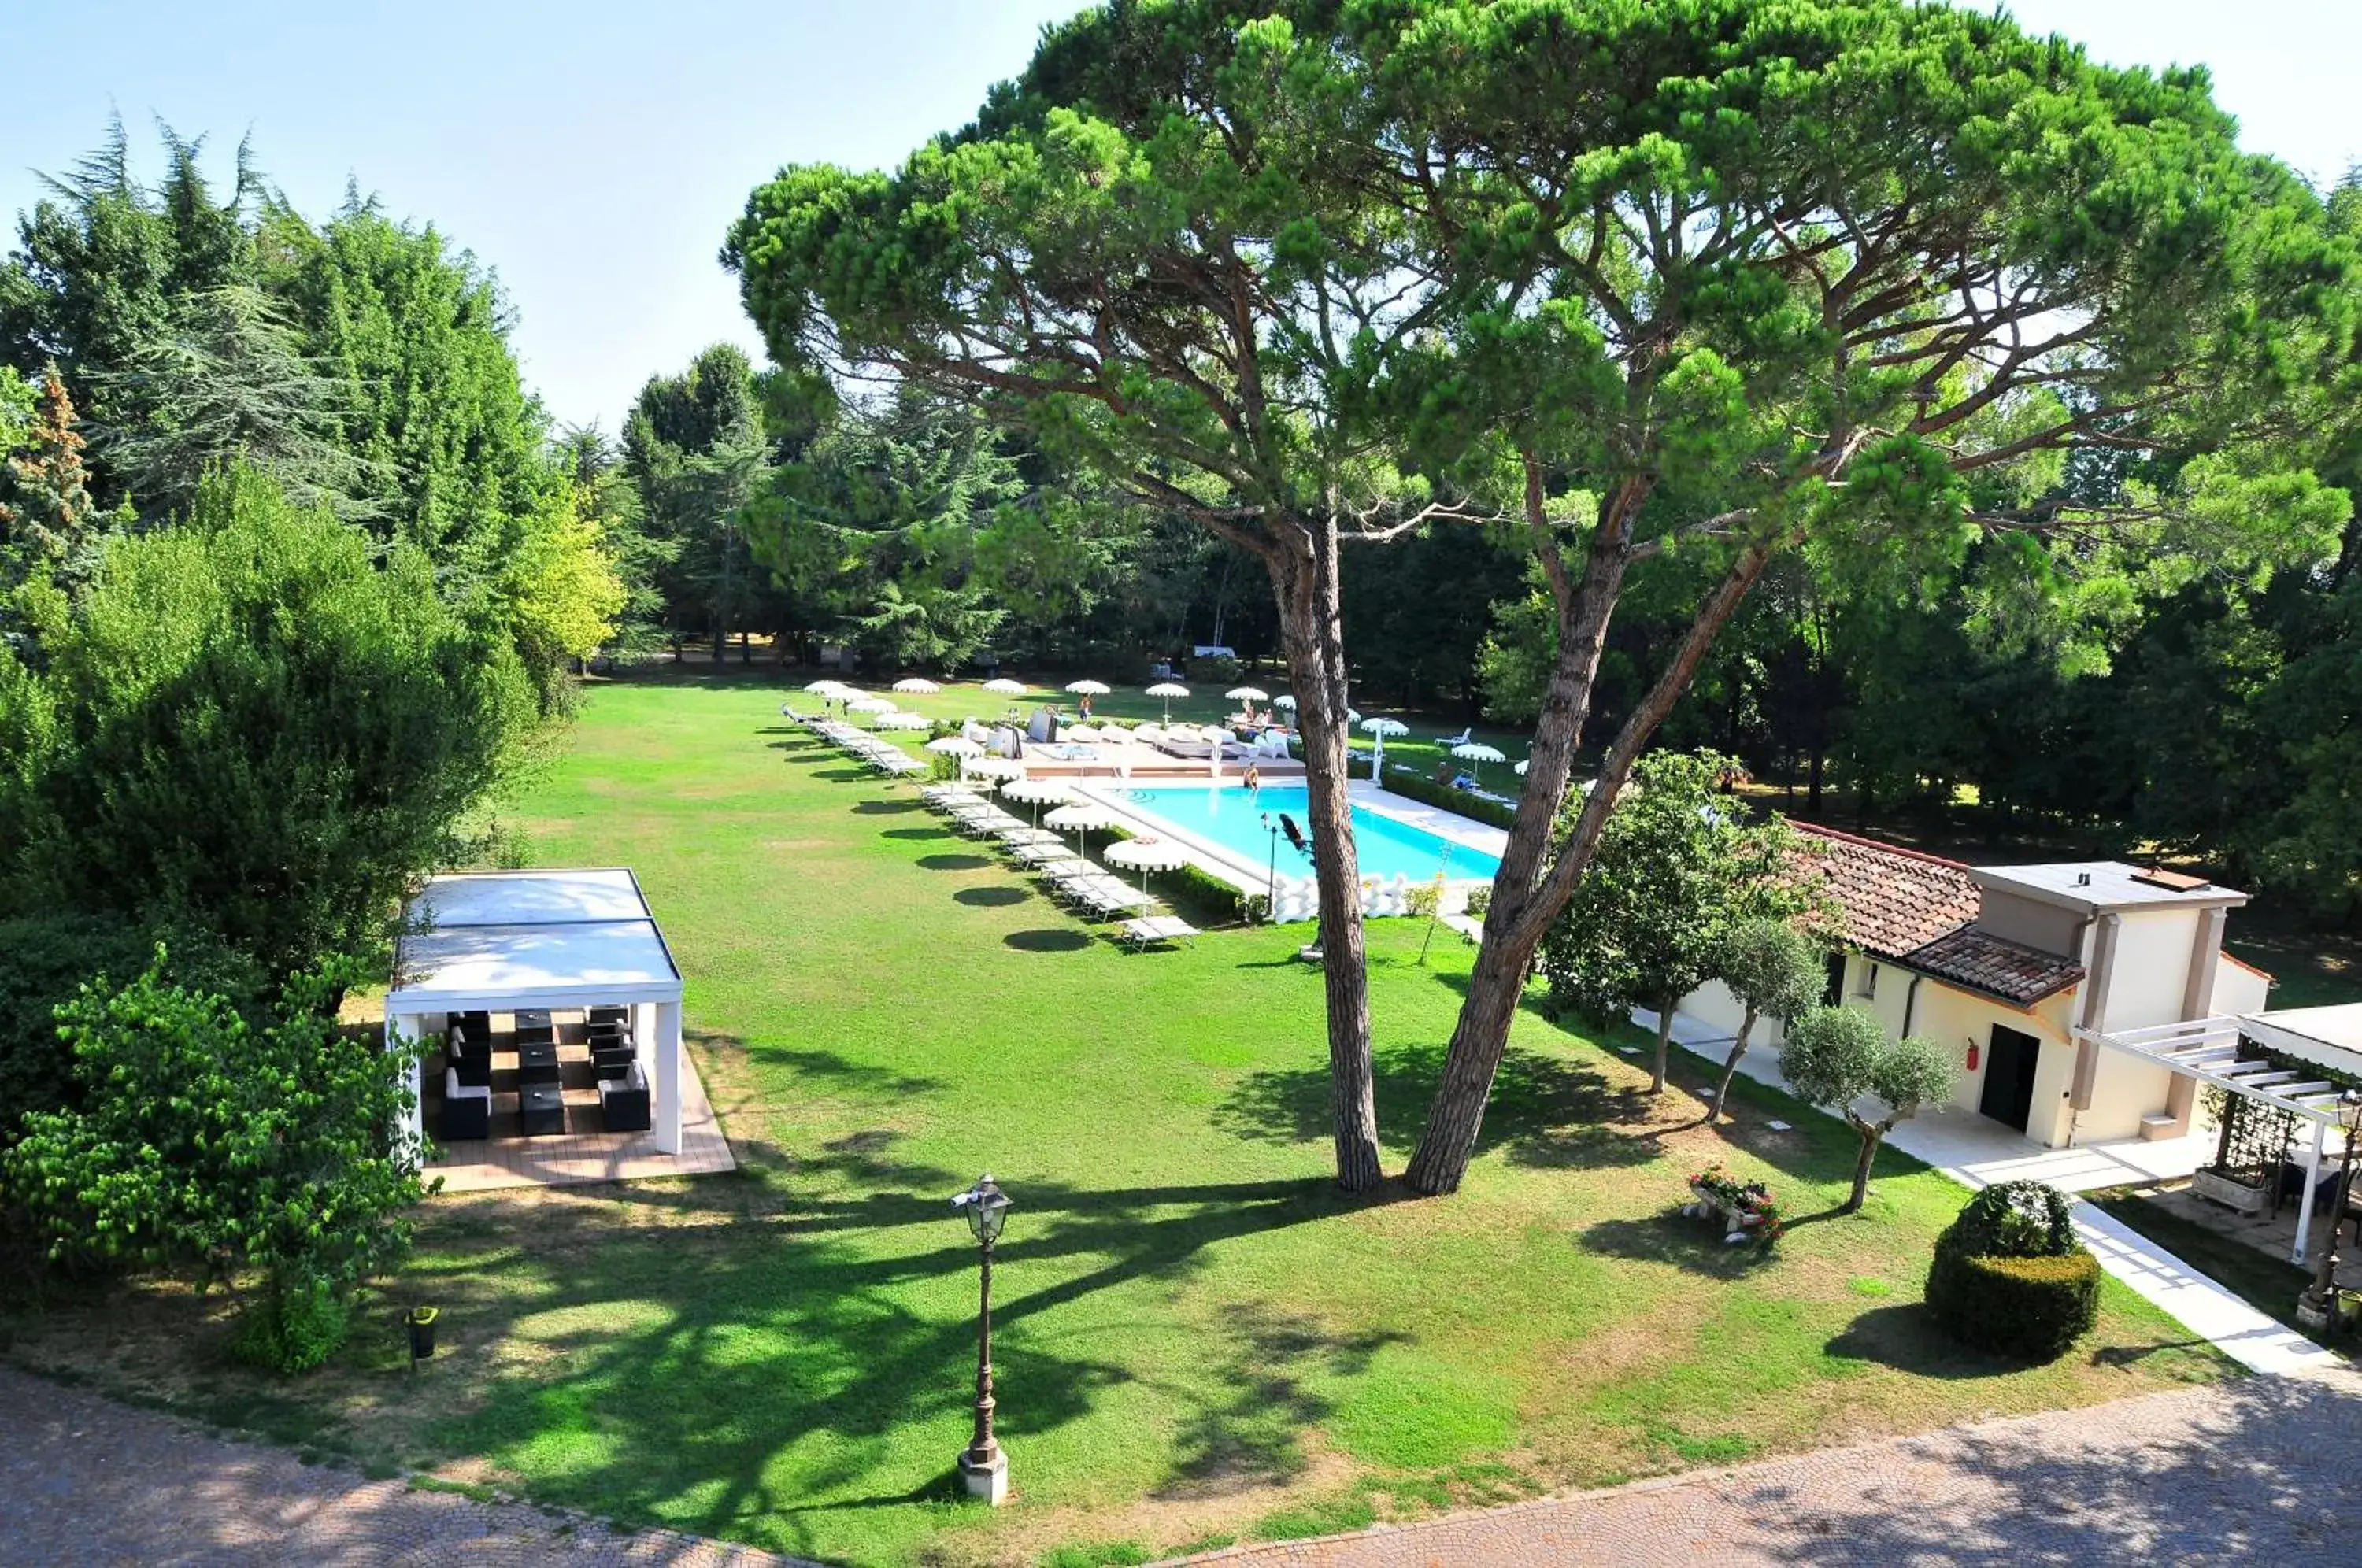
point(1775, 971)
point(1839, 277)
point(1676, 873)
point(1837, 1058)
point(1158, 253)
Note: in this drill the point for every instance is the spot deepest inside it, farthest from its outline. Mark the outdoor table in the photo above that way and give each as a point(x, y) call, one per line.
point(542, 1109)
point(537, 1063)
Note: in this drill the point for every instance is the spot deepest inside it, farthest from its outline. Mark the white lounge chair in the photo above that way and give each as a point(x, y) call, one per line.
point(1149, 930)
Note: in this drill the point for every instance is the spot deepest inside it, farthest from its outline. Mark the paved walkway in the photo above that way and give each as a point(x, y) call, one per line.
point(2259, 1472)
point(1975, 1151)
point(85, 1481)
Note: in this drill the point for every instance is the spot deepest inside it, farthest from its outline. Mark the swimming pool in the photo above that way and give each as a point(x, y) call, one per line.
point(1233, 818)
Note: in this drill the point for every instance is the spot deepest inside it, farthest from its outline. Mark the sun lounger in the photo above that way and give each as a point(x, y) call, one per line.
point(1149, 930)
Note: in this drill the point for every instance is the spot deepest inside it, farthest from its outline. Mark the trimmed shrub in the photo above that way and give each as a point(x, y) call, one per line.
point(1414, 786)
point(2033, 1309)
point(2009, 1276)
point(1479, 901)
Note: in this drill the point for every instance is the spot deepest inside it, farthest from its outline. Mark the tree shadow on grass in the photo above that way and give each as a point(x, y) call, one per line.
point(919, 833)
point(841, 775)
point(954, 862)
point(990, 898)
point(884, 808)
point(1682, 1240)
point(751, 1386)
point(1546, 1111)
point(1051, 939)
point(1272, 1362)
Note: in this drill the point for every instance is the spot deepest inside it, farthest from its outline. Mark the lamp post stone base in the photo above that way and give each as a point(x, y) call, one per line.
point(988, 1480)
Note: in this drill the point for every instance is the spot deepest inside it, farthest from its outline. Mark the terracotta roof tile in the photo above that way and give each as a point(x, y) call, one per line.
point(2010, 970)
point(1895, 901)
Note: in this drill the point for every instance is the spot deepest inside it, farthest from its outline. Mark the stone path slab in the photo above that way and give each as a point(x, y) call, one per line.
point(2260, 1471)
point(87, 1482)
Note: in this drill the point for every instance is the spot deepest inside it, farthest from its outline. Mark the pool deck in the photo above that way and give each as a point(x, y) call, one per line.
point(1227, 865)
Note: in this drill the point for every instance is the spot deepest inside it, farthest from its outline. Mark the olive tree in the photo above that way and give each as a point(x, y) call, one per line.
point(1837, 1058)
point(1775, 971)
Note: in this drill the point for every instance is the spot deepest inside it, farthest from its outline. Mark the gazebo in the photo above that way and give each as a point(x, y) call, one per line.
point(519, 940)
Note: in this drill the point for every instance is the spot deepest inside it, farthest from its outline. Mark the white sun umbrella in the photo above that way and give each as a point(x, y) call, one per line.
point(1379, 727)
point(1247, 694)
point(1523, 766)
point(1003, 687)
point(1037, 793)
point(1285, 700)
point(1165, 691)
point(997, 768)
point(1089, 688)
point(865, 704)
point(1082, 816)
point(827, 688)
point(1148, 854)
point(1480, 753)
point(918, 684)
point(899, 718)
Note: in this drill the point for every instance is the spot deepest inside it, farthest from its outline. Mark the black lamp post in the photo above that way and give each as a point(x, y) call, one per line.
point(1270, 871)
point(2322, 1297)
point(983, 1468)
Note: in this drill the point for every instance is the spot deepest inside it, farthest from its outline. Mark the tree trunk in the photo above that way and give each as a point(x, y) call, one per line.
point(1730, 1067)
point(721, 640)
point(1531, 889)
point(1869, 1139)
point(1664, 1043)
point(1304, 584)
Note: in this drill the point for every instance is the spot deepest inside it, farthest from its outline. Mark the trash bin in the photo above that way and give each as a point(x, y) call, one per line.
point(421, 1331)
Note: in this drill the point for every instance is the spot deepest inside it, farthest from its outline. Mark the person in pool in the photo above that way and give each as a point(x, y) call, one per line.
point(1254, 777)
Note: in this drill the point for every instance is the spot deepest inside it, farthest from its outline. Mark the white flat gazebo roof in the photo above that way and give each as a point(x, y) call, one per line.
point(503, 939)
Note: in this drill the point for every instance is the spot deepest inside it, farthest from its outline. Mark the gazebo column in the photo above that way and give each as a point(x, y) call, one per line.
point(401, 1032)
point(666, 1112)
point(2312, 1181)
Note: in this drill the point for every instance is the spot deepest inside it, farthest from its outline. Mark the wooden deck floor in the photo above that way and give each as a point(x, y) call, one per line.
point(583, 1153)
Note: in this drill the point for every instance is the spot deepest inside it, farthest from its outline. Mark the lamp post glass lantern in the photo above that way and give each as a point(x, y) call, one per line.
point(984, 1468)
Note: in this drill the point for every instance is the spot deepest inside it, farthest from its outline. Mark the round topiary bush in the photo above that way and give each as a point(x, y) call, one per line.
point(2010, 1277)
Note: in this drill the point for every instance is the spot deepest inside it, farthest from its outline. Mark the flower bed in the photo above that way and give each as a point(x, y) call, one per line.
point(1746, 1209)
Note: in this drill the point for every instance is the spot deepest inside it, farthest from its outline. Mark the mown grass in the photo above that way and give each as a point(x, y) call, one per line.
point(1198, 1338)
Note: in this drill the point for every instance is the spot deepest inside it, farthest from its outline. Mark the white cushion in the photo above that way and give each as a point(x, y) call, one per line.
point(454, 1089)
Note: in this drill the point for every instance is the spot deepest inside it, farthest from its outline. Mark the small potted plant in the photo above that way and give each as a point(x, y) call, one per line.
point(421, 1324)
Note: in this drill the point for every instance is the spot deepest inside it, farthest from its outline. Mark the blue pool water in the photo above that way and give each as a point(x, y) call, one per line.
point(1232, 817)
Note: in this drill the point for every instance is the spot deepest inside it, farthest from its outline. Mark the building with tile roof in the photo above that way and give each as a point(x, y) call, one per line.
point(2016, 966)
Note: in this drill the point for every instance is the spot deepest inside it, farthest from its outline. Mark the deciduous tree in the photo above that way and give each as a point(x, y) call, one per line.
point(1775, 971)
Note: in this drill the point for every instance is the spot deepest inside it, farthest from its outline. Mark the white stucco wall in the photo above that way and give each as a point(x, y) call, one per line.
point(2238, 988)
point(2150, 969)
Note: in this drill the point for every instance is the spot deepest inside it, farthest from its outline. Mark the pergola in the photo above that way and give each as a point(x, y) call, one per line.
point(2211, 1051)
point(503, 941)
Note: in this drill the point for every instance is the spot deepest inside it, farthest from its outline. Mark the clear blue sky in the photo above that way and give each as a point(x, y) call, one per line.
point(594, 153)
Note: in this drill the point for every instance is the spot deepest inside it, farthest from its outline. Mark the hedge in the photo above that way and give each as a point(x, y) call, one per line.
point(2009, 1276)
point(1411, 784)
point(2030, 1308)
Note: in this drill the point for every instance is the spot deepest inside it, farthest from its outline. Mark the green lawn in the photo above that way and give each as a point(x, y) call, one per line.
point(1198, 1338)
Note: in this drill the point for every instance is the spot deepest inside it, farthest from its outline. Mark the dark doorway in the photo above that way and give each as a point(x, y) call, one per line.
point(2010, 1061)
point(1833, 991)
